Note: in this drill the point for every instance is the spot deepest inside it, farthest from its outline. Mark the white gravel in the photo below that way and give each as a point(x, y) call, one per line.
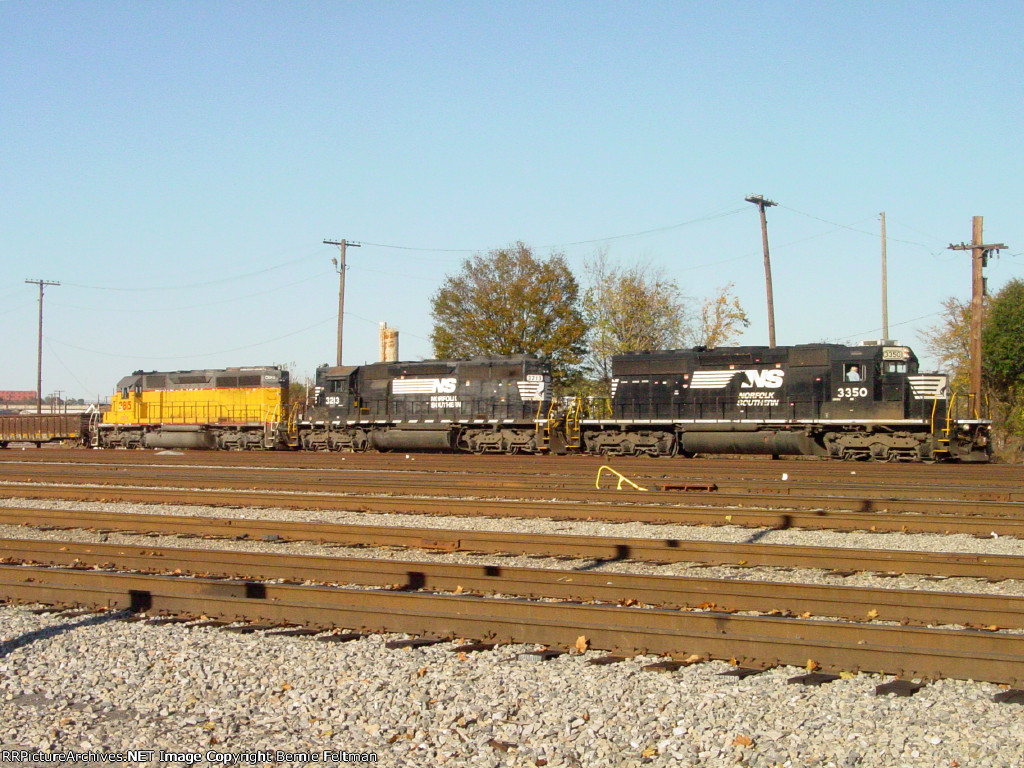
point(91, 683)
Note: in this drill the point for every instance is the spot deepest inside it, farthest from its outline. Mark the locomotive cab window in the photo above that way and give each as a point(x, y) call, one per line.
point(853, 372)
point(892, 366)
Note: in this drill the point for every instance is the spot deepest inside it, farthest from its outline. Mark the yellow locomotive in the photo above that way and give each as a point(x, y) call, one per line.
point(229, 408)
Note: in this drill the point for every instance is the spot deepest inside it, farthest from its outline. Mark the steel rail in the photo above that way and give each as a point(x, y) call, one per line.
point(866, 519)
point(773, 494)
point(731, 490)
point(561, 466)
point(601, 548)
point(729, 595)
point(753, 640)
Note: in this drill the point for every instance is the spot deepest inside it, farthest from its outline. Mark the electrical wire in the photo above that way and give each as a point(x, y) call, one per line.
point(331, 319)
point(607, 239)
point(228, 300)
point(203, 284)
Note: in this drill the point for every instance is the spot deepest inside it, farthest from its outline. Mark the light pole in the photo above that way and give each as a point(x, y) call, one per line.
point(340, 266)
point(39, 357)
point(761, 204)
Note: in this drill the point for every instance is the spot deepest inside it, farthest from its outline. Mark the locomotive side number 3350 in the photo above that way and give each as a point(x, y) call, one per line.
point(844, 393)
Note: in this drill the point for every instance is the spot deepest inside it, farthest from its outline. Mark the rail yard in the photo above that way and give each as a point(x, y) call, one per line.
point(499, 610)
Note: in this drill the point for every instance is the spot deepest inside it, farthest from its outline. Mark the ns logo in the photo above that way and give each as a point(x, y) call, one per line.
point(763, 379)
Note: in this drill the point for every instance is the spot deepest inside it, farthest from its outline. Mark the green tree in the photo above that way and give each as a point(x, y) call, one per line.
point(630, 309)
point(1002, 339)
point(721, 319)
point(509, 302)
point(1002, 342)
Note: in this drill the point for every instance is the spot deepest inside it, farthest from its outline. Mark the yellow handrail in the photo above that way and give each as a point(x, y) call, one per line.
point(622, 479)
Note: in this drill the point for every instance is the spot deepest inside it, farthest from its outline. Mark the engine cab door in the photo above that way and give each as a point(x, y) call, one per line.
point(853, 389)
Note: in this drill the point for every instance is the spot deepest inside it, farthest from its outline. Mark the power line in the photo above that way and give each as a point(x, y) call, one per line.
point(609, 238)
point(855, 229)
point(229, 300)
point(200, 354)
point(203, 284)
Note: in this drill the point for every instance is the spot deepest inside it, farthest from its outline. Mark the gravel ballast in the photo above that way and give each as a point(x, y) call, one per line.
point(93, 685)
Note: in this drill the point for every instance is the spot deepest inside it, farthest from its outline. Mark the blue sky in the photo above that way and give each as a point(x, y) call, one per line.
point(176, 166)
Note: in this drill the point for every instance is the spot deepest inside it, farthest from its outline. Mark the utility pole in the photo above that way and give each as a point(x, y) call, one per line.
point(979, 260)
point(885, 286)
point(340, 266)
point(761, 204)
point(39, 357)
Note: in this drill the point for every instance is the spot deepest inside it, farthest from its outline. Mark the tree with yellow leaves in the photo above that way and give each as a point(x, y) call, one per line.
point(630, 309)
point(722, 318)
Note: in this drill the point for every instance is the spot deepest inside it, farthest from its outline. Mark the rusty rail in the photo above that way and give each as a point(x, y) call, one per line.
point(993, 567)
point(865, 519)
point(729, 595)
point(752, 640)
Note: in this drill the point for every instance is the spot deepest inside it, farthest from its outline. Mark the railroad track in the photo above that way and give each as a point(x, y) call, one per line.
point(598, 548)
point(685, 617)
point(841, 520)
point(722, 595)
point(760, 641)
point(773, 491)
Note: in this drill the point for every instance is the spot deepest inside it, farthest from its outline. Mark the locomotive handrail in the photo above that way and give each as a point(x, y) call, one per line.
point(622, 479)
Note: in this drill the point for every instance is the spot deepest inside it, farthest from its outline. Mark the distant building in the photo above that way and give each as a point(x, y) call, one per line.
point(16, 397)
point(12, 401)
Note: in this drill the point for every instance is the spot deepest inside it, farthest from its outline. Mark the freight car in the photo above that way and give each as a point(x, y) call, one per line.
point(482, 405)
point(66, 428)
point(232, 408)
point(847, 402)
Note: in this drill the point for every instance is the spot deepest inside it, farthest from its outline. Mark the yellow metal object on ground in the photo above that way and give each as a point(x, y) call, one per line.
point(622, 479)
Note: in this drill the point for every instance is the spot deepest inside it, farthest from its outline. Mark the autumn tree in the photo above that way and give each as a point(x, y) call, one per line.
point(722, 318)
point(949, 342)
point(630, 309)
point(508, 302)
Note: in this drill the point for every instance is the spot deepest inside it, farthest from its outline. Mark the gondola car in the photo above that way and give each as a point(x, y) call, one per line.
point(849, 402)
point(482, 405)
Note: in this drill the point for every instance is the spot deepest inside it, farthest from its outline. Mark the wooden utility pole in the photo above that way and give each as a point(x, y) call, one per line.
point(979, 260)
point(39, 356)
point(342, 245)
point(885, 286)
point(761, 204)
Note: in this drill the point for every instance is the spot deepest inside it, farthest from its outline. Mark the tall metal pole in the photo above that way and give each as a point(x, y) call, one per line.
point(979, 260)
point(885, 285)
point(761, 204)
point(342, 245)
point(39, 356)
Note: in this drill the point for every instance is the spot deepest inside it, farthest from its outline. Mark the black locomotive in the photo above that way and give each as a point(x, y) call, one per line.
point(863, 402)
point(860, 402)
point(482, 405)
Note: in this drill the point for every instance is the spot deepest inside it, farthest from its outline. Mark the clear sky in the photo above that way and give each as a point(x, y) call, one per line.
point(177, 165)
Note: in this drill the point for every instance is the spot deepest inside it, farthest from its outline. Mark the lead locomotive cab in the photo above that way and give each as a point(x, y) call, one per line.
point(851, 402)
